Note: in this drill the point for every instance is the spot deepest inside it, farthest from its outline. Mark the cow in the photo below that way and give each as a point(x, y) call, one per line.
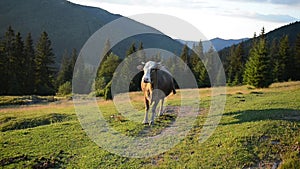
point(156, 84)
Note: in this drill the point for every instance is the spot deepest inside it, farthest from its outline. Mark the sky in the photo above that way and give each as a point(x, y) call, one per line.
point(227, 19)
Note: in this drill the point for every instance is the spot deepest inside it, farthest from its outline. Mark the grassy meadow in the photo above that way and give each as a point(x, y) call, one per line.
point(260, 128)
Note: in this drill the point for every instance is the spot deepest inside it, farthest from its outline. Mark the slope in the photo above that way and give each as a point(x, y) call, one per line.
point(68, 25)
point(291, 30)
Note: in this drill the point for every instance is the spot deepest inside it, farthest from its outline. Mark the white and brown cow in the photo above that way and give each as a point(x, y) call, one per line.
point(157, 83)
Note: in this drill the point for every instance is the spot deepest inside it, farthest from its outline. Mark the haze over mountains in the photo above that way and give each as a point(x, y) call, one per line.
point(218, 43)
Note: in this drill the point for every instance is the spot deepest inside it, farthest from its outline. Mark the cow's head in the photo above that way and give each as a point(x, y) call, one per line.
point(149, 67)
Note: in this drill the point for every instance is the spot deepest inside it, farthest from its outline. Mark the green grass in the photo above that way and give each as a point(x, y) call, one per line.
point(259, 128)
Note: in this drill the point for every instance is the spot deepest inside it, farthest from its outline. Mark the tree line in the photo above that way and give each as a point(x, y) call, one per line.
point(30, 69)
point(266, 62)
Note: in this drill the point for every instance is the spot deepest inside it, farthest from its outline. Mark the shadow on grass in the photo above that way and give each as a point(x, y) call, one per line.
point(16, 124)
point(260, 115)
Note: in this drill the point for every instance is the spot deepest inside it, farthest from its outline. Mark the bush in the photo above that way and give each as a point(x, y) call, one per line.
point(99, 93)
point(65, 89)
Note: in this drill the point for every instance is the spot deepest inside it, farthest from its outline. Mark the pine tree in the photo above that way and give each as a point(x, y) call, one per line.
point(283, 57)
point(197, 66)
point(141, 55)
point(29, 65)
point(208, 73)
point(296, 64)
point(44, 60)
point(80, 82)
point(236, 63)
point(106, 51)
point(63, 72)
point(72, 63)
point(106, 72)
point(16, 86)
point(274, 60)
point(131, 50)
point(203, 79)
point(9, 60)
point(229, 68)
point(128, 67)
point(3, 69)
point(257, 71)
point(185, 56)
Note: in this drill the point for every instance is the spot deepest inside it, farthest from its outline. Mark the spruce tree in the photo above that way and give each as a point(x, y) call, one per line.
point(9, 60)
point(296, 65)
point(131, 50)
point(129, 66)
point(229, 67)
point(81, 81)
point(106, 52)
point(283, 57)
point(185, 56)
point(196, 54)
point(29, 65)
point(16, 86)
point(196, 63)
point(106, 71)
point(273, 54)
point(141, 55)
point(45, 71)
point(72, 63)
point(63, 72)
point(3, 69)
point(66, 70)
point(257, 70)
point(208, 73)
point(235, 66)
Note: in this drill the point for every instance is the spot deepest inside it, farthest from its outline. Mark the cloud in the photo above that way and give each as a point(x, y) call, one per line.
point(287, 2)
point(279, 18)
point(154, 3)
point(281, 2)
point(276, 18)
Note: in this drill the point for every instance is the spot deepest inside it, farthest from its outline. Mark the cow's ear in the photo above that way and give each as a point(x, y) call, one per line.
point(140, 67)
point(143, 63)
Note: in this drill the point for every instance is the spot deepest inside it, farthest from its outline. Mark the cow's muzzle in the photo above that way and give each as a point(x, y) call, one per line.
point(146, 80)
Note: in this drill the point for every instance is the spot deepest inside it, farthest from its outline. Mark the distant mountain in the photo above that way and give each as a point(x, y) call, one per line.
point(218, 43)
point(222, 43)
point(70, 25)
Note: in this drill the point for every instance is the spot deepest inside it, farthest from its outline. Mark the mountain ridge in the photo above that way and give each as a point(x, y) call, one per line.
point(69, 25)
point(291, 30)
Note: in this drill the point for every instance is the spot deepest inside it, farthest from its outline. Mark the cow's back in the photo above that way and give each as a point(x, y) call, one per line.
point(163, 81)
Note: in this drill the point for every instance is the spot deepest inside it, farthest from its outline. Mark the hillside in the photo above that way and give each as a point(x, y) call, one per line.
point(291, 30)
point(69, 25)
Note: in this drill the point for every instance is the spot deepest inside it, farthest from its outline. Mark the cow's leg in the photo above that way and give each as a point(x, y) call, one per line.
point(146, 111)
point(153, 111)
point(161, 111)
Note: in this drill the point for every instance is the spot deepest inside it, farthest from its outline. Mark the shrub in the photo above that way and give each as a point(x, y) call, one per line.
point(65, 89)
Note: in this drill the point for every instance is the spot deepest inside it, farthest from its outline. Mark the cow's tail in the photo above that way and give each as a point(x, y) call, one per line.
point(174, 91)
point(173, 86)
